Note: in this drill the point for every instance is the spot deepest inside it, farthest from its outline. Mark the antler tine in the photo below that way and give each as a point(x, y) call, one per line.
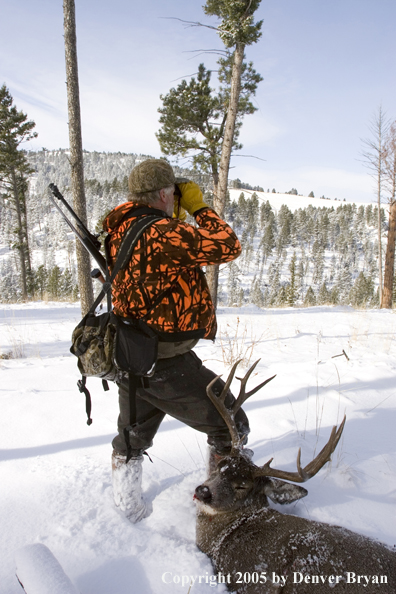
point(242, 397)
point(303, 474)
point(229, 380)
point(226, 413)
point(325, 454)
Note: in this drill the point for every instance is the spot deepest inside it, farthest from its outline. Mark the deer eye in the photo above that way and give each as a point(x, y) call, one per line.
point(241, 487)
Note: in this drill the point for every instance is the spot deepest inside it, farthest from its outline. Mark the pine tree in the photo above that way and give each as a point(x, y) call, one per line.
point(324, 295)
point(252, 214)
point(240, 297)
point(67, 285)
point(361, 292)
point(300, 275)
point(256, 294)
point(310, 298)
point(285, 217)
point(291, 293)
point(265, 213)
point(193, 117)
point(54, 283)
point(335, 296)
point(274, 282)
point(267, 244)
point(237, 29)
point(360, 222)
point(9, 291)
point(369, 215)
point(333, 268)
point(233, 284)
point(318, 262)
point(281, 298)
point(40, 281)
point(15, 128)
point(242, 207)
point(344, 281)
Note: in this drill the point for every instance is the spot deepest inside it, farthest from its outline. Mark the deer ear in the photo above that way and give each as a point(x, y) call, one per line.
point(282, 492)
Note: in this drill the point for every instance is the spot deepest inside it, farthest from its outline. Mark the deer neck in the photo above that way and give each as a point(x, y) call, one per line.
point(212, 527)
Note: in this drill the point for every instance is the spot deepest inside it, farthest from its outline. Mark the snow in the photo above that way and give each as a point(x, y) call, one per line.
point(55, 470)
point(292, 201)
point(40, 573)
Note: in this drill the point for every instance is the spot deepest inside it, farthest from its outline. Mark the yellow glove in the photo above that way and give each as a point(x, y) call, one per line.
point(178, 211)
point(191, 196)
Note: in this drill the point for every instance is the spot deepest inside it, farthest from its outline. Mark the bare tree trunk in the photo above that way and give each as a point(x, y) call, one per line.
point(381, 131)
point(76, 150)
point(219, 198)
point(28, 262)
point(375, 158)
point(215, 177)
point(390, 259)
point(21, 246)
point(379, 232)
point(212, 278)
point(229, 128)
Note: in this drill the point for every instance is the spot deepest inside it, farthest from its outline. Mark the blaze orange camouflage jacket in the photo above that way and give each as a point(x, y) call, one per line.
point(168, 259)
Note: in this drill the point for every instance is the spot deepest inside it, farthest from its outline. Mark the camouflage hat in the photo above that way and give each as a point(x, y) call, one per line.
point(151, 175)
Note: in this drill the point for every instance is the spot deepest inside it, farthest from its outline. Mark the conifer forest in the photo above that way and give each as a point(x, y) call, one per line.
point(291, 256)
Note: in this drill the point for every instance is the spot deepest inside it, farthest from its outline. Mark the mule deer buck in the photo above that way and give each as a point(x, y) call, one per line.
point(258, 550)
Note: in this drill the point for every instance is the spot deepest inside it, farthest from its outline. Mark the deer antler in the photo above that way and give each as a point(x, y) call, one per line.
point(228, 414)
point(303, 474)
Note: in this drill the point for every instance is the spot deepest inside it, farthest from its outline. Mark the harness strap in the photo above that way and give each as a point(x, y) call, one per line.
point(88, 404)
point(133, 383)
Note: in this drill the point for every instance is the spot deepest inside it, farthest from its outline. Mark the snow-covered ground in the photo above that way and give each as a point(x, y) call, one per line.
point(55, 470)
point(292, 201)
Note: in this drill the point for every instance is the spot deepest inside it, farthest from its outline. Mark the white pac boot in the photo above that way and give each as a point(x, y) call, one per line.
point(127, 487)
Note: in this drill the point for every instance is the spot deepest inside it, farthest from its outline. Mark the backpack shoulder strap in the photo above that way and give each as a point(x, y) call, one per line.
point(126, 248)
point(130, 240)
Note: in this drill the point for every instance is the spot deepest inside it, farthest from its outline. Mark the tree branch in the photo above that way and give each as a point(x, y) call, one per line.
point(190, 23)
point(205, 50)
point(250, 156)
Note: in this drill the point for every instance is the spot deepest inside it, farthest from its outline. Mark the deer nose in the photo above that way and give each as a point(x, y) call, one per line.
point(203, 494)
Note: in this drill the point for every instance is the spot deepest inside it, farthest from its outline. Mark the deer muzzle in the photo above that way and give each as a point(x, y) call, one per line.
point(203, 494)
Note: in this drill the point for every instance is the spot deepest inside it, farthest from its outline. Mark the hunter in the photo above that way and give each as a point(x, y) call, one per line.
point(168, 261)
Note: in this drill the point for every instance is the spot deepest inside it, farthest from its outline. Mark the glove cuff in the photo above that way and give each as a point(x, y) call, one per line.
point(200, 208)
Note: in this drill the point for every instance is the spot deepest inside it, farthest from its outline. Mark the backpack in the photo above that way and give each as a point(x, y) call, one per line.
point(108, 346)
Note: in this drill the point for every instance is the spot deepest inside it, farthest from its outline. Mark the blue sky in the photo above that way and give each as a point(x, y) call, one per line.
point(327, 67)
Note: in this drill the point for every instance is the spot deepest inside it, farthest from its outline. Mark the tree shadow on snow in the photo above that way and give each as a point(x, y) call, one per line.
point(55, 448)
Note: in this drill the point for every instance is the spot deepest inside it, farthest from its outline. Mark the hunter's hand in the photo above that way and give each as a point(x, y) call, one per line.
point(178, 211)
point(191, 198)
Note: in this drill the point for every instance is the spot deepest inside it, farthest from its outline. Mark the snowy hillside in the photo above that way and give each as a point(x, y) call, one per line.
point(55, 470)
point(296, 249)
point(290, 200)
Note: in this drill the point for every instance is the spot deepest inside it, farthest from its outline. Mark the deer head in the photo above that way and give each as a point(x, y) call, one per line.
point(237, 482)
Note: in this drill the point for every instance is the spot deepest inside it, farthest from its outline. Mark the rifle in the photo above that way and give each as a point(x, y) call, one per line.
point(88, 240)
